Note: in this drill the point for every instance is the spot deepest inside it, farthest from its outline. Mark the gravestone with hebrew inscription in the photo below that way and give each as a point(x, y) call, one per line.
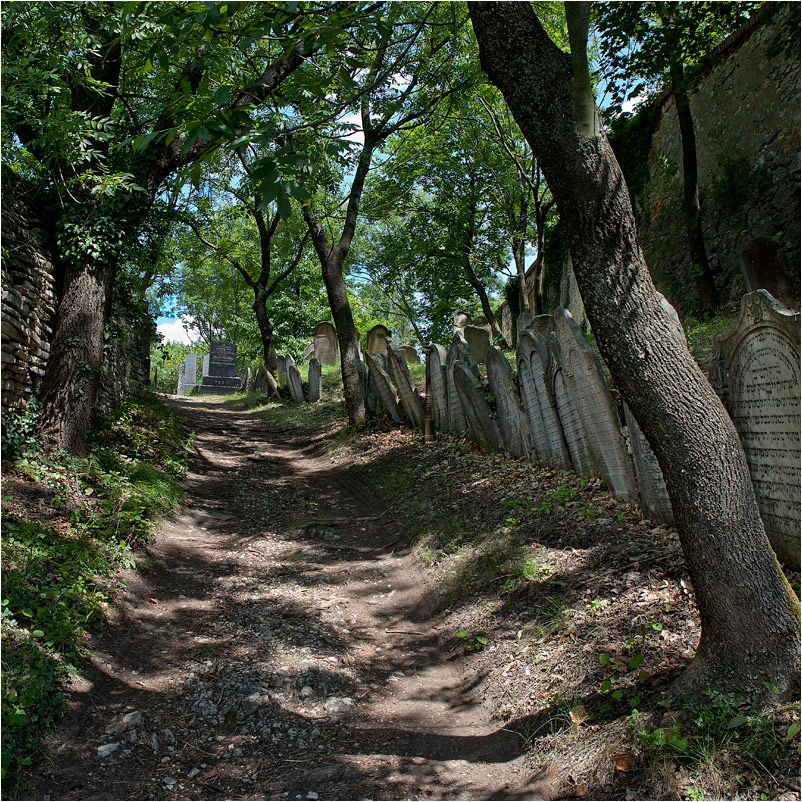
point(577, 443)
point(458, 353)
point(309, 352)
point(382, 384)
point(376, 340)
point(295, 384)
point(324, 339)
point(512, 422)
point(541, 410)
point(481, 428)
point(182, 368)
point(315, 380)
point(756, 370)
point(435, 374)
point(270, 384)
point(222, 378)
point(478, 340)
point(399, 372)
point(410, 354)
point(205, 371)
point(594, 403)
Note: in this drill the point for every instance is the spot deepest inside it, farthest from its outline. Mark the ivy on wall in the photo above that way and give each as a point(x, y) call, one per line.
point(631, 140)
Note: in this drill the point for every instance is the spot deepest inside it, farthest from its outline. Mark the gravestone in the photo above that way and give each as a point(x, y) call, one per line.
point(182, 368)
point(295, 384)
point(325, 341)
point(410, 354)
point(512, 421)
point(588, 387)
point(478, 340)
point(270, 384)
point(222, 378)
point(309, 352)
point(461, 320)
point(481, 427)
point(382, 384)
point(376, 342)
point(458, 353)
point(570, 422)
point(435, 375)
point(191, 372)
point(756, 370)
point(506, 322)
point(399, 372)
point(541, 409)
point(315, 380)
point(281, 369)
point(205, 371)
point(542, 324)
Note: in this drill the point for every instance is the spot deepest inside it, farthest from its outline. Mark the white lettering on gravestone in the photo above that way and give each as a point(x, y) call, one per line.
point(761, 358)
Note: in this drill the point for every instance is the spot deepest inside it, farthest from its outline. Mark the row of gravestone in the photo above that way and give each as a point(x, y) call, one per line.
point(560, 411)
point(325, 349)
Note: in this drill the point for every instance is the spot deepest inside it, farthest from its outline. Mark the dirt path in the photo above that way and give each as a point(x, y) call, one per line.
point(282, 645)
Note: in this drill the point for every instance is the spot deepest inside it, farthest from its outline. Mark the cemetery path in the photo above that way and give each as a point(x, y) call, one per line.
point(281, 645)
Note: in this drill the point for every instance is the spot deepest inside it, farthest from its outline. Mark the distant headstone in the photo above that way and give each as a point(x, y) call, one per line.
point(506, 322)
point(309, 352)
point(459, 352)
point(522, 323)
point(270, 384)
point(382, 384)
point(481, 427)
point(295, 384)
point(181, 384)
point(399, 372)
point(376, 342)
point(222, 378)
point(538, 403)
point(410, 354)
point(478, 340)
point(435, 373)
point(542, 324)
point(315, 380)
point(324, 339)
point(756, 372)
point(511, 417)
point(585, 379)
point(281, 369)
point(570, 422)
point(205, 371)
point(461, 320)
point(191, 373)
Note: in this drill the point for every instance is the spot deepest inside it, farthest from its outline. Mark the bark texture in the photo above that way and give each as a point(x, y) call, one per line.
point(749, 614)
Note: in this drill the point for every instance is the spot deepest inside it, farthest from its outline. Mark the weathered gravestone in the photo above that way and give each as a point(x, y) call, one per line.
point(281, 369)
point(511, 418)
point(458, 353)
point(205, 371)
point(399, 372)
point(541, 410)
point(191, 372)
point(588, 387)
point(435, 376)
point(410, 354)
point(309, 352)
point(325, 342)
point(222, 378)
point(755, 370)
point(461, 320)
point(315, 380)
point(295, 384)
point(481, 427)
point(182, 369)
point(478, 340)
point(270, 384)
point(382, 384)
point(542, 324)
point(376, 341)
point(570, 422)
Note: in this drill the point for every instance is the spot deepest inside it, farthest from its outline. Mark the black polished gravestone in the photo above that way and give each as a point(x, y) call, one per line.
point(222, 378)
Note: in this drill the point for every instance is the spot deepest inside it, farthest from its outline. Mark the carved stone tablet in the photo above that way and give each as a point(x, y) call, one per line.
point(309, 352)
point(295, 385)
point(383, 386)
point(376, 342)
point(461, 320)
point(222, 378)
point(281, 369)
point(205, 365)
point(588, 387)
point(435, 372)
point(399, 373)
point(482, 428)
point(542, 324)
point(478, 340)
point(512, 420)
point(541, 411)
point(324, 339)
point(270, 383)
point(458, 352)
point(315, 380)
point(756, 371)
point(410, 354)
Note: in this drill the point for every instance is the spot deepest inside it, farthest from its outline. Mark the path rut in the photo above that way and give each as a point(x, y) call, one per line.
point(283, 644)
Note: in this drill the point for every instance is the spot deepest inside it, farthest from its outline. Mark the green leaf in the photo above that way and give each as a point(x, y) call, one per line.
point(16, 719)
point(604, 659)
point(481, 640)
point(37, 633)
point(736, 721)
point(635, 661)
point(793, 730)
point(26, 611)
point(617, 694)
point(463, 633)
point(194, 174)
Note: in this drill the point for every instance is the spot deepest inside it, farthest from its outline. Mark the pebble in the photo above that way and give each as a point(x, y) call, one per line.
point(193, 773)
point(106, 749)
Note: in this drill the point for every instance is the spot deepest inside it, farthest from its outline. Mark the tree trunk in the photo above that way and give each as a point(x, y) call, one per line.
point(749, 614)
point(700, 268)
point(265, 329)
point(73, 372)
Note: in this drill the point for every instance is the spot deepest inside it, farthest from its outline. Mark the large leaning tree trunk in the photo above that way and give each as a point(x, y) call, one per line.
point(749, 614)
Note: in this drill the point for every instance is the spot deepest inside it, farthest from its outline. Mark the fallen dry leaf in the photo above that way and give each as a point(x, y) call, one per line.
point(151, 599)
point(625, 761)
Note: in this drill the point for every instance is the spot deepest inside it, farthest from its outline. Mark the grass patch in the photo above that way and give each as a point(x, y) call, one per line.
point(700, 334)
point(70, 526)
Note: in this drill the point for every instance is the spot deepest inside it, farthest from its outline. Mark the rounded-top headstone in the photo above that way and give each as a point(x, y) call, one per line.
point(324, 339)
point(376, 341)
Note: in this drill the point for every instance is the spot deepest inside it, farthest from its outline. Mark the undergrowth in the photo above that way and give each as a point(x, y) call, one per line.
point(70, 525)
